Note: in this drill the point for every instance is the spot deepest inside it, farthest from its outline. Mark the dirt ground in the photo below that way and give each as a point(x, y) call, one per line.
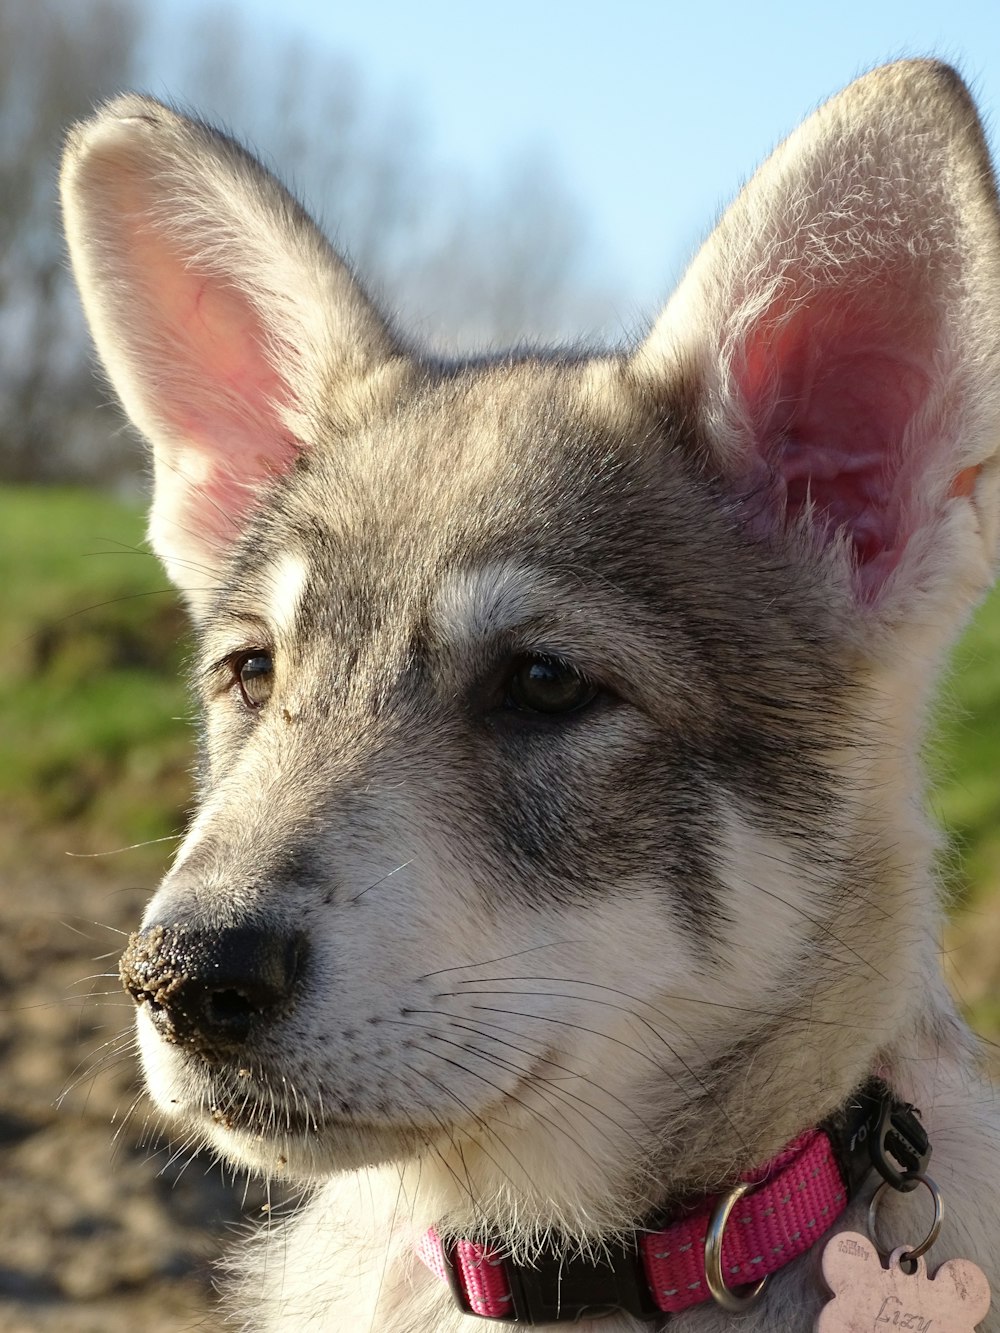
point(100, 1230)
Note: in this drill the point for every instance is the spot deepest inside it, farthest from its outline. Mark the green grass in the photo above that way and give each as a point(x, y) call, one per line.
point(94, 647)
point(966, 753)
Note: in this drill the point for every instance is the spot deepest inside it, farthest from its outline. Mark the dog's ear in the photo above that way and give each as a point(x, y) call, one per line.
point(230, 329)
point(839, 340)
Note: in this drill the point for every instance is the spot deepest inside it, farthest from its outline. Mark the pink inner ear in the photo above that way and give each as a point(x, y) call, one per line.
point(831, 389)
point(214, 389)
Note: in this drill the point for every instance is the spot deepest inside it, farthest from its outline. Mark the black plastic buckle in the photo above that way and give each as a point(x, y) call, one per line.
point(900, 1141)
point(873, 1129)
point(567, 1288)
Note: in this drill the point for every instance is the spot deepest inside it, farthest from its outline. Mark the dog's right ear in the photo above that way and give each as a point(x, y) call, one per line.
point(231, 330)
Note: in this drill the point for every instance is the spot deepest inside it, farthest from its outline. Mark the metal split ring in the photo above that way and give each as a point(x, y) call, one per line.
point(722, 1295)
point(914, 1251)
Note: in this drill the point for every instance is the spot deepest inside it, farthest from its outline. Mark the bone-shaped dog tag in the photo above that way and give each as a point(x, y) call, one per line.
point(868, 1298)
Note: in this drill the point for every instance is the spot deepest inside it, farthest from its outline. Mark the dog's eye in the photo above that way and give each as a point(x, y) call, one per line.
point(255, 676)
point(548, 685)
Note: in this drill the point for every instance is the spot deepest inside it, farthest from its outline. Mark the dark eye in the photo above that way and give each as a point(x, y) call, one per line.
point(255, 676)
point(548, 685)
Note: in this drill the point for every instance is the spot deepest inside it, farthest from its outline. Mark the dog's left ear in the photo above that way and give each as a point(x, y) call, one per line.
point(839, 337)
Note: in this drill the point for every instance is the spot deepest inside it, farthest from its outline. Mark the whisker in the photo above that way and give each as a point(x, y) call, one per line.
point(129, 847)
point(473, 1116)
point(476, 1029)
point(543, 1087)
point(681, 999)
point(503, 958)
point(565, 1022)
point(508, 1096)
point(385, 1259)
point(381, 881)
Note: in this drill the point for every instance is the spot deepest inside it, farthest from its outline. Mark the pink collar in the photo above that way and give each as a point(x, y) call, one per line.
point(793, 1201)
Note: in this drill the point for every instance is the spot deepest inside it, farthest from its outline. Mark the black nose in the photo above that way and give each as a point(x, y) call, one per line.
point(210, 989)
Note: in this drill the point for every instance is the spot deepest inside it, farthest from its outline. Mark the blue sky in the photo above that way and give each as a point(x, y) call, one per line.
point(651, 112)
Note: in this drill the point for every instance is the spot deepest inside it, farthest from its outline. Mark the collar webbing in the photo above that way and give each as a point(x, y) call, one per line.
point(795, 1199)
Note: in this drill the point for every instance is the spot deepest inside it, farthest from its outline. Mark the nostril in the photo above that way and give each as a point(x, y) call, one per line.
point(230, 1008)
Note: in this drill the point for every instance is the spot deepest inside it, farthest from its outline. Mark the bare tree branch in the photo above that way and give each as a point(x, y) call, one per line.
point(463, 270)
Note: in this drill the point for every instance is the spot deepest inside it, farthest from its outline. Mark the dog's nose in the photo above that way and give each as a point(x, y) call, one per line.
point(210, 989)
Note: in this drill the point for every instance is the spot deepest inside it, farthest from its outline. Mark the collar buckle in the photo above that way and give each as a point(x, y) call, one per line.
point(900, 1141)
point(567, 1288)
point(875, 1129)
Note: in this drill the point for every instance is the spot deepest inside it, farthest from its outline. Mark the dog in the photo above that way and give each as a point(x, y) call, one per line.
point(560, 890)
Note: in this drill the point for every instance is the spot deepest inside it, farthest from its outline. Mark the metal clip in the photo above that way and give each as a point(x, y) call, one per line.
point(723, 1295)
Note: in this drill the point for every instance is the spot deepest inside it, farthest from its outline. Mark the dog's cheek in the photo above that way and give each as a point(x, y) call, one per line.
point(599, 808)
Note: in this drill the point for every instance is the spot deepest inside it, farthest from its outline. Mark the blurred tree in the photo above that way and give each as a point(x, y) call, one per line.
point(509, 267)
point(56, 59)
point(463, 267)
